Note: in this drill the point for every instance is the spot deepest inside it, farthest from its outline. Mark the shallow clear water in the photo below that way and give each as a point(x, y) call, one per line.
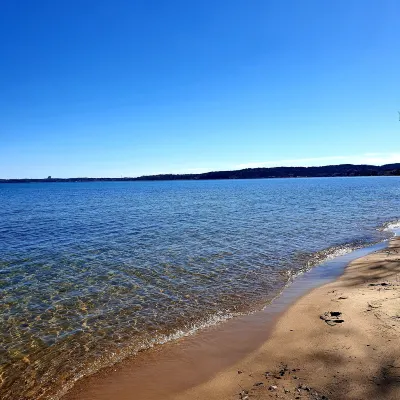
point(91, 272)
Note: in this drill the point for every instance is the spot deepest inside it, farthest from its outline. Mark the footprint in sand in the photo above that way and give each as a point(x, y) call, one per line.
point(332, 318)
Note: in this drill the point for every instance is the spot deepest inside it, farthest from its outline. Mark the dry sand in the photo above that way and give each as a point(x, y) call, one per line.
point(310, 356)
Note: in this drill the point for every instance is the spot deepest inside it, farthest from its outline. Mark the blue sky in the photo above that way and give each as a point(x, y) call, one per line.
point(111, 88)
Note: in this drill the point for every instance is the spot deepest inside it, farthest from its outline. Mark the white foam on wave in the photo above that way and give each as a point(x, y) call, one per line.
point(189, 330)
point(329, 254)
point(391, 226)
point(339, 251)
point(323, 256)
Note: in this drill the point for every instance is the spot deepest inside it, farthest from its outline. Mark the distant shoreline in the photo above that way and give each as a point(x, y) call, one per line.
point(341, 170)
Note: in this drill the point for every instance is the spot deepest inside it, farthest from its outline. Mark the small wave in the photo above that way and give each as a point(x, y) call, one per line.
point(333, 252)
point(390, 226)
point(307, 261)
point(189, 330)
point(314, 259)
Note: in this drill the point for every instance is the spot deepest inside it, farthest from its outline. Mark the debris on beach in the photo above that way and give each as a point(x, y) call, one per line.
point(285, 388)
point(379, 284)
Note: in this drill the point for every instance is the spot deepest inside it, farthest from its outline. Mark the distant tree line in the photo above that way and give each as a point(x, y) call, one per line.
point(248, 173)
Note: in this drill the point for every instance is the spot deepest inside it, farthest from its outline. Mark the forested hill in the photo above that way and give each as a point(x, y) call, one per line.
point(248, 173)
point(287, 172)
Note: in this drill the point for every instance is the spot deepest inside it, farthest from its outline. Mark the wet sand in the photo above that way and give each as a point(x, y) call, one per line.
point(305, 354)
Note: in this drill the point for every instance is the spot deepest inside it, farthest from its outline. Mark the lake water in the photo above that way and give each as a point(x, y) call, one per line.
point(93, 272)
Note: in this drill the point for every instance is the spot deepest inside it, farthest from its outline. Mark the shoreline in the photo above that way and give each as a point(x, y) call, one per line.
point(315, 354)
point(189, 362)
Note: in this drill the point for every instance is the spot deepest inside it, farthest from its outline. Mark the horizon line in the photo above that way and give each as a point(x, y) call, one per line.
point(51, 178)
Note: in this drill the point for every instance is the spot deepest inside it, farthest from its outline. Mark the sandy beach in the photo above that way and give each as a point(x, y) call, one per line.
point(340, 341)
point(199, 200)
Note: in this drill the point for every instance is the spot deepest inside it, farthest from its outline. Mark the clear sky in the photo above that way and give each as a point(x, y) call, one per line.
point(111, 88)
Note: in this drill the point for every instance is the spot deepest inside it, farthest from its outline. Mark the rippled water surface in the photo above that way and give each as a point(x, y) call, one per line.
point(91, 272)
